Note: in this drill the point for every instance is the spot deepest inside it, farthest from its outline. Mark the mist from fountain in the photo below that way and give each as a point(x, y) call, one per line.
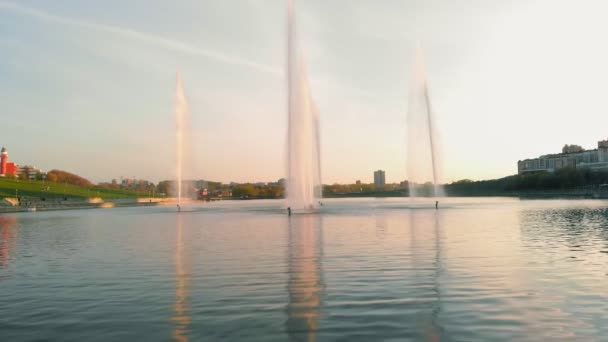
point(304, 187)
point(182, 137)
point(423, 151)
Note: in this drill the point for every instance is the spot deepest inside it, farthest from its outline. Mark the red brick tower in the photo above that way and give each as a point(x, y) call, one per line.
point(3, 161)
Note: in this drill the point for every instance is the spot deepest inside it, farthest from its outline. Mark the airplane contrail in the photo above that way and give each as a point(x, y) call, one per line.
point(166, 43)
point(159, 41)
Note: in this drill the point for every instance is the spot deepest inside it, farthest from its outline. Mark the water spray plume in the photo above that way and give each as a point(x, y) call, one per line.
point(304, 187)
point(181, 116)
point(423, 157)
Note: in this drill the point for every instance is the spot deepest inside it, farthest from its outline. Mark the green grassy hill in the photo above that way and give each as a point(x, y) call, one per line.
point(39, 189)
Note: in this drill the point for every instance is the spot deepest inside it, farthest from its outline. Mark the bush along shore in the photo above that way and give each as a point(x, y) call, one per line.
point(566, 182)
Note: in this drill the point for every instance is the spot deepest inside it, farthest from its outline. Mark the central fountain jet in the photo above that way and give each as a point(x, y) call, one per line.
point(422, 138)
point(182, 138)
point(304, 187)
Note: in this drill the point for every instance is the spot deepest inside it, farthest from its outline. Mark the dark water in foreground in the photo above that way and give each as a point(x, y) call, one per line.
point(477, 269)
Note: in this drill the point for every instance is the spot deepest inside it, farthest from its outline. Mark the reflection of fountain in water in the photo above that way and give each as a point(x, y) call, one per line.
point(8, 238)
point(305, 284)
point(181, 318)
point(422, 138)
point(304, 187)
point(429, 262)
point(182, 138)
point(436, 329)
point(381, 226)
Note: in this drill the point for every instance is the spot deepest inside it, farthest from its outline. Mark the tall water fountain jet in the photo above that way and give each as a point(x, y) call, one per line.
point(182, 116)
point(304, 187)
point(423, 162)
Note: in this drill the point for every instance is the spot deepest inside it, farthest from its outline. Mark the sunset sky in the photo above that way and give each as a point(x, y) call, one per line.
point(88, 86)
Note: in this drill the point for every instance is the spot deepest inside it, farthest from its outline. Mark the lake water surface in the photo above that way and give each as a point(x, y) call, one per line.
point(366, 269)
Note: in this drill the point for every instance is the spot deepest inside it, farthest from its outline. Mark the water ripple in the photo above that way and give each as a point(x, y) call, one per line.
point(487, 269)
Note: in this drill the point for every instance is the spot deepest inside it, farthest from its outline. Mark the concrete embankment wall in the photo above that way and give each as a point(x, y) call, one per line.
point(9, 205)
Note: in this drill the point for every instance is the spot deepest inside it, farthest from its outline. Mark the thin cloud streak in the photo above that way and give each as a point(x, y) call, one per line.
point(166, 43)
point(177, 46)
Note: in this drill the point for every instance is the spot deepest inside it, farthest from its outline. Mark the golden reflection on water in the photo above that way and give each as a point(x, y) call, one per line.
point(420, 221)
point(181, 318)
point(305, 284)
point(8, 238)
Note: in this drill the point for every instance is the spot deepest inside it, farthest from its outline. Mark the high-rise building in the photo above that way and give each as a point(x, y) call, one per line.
point(379, 178)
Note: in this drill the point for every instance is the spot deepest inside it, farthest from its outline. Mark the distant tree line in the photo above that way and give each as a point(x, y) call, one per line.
point(365, 190)
point(258, 191)
point(247, 190)
point(563, 179)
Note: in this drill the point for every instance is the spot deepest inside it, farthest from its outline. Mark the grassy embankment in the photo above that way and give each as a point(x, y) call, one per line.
point(45, 189)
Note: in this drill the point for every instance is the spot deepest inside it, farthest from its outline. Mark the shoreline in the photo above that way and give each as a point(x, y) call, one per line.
point(91, 203)
point(165, 202)
point(75, 206)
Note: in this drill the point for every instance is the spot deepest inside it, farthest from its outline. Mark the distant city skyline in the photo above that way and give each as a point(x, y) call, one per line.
point(88, 88)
